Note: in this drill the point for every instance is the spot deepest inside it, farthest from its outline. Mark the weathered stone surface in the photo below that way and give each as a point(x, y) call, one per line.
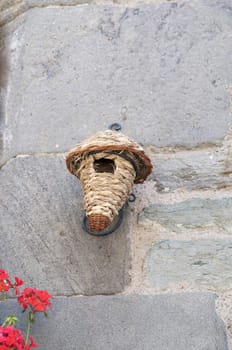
point(6, 4)
point(164, 322)
point(41, 236)
point(199, 169)
point(198, 264)
point(159, 69)
point(195, 215)
point(10, 9)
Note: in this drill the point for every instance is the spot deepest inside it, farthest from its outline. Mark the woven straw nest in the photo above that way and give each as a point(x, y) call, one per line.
point(107, 165)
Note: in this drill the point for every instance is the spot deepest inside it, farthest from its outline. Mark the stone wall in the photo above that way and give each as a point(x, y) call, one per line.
point(163, 70)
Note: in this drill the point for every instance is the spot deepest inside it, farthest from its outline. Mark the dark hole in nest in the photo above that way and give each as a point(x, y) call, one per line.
point(104, 165)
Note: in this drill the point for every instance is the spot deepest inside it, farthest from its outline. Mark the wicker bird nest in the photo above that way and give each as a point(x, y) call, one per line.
point(107, 165)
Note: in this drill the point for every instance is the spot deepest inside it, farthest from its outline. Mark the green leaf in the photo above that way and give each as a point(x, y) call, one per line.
point(11, 320)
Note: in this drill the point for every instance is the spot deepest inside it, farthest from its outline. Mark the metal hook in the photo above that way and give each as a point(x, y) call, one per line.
point(131, 198)
point(115, 127)
point(113, 227)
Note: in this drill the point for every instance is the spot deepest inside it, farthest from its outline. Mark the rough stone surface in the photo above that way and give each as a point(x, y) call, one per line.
point(180, 99)
point(167, 322)
point(199, 169)
point(224, 310)
point(6, 4)
point(197, 215)
point(10, 9)
point(163, 70)
point(41, 211)
point(197, 264)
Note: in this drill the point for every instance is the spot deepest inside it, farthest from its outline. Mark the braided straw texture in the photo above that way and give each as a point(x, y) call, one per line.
point(104, 192)
point(110, 140)
point(107, 178)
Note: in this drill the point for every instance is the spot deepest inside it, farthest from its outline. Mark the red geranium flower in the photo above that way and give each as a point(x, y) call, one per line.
point(12, 338)
point(38, 300)
point(18, 283)
point(5, 283)
point(31, 345)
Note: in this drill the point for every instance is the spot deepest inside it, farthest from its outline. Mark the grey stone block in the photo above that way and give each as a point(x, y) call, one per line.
point(11, 9)
point(159, 69)
point(167, 322)
point(197, 264)
point(6, 4)
point(199, 169)
point(42, 239)
point(197, 215)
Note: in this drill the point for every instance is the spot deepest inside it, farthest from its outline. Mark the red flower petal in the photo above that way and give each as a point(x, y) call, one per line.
point(37, 300)
point(18, 282)
point(11, 338)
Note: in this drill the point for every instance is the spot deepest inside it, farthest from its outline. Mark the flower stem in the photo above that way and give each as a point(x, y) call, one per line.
point(28, 328)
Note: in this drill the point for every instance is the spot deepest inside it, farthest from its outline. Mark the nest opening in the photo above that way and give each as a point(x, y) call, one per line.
point(104, 165)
